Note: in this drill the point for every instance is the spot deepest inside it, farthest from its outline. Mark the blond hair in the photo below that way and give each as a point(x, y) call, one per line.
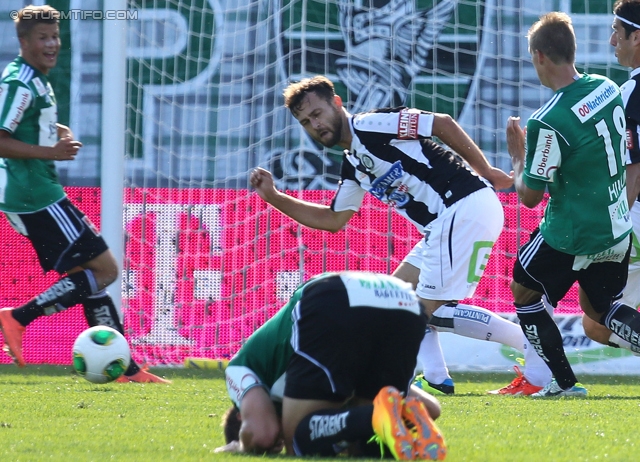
point(553, 36)
point(30, 16)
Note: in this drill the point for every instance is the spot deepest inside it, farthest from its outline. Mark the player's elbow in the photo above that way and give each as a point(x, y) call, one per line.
point(595, 331)
point(334, 222)
point(528, 202)
point(443, 124)
point(530, 198)
point(335, 228)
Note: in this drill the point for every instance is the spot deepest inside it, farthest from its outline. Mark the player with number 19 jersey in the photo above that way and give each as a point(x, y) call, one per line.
point(587, 212)
point(28, 112)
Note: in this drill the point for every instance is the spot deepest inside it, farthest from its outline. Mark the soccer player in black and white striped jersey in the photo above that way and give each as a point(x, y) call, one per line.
point(625, 38)
point(390, 154)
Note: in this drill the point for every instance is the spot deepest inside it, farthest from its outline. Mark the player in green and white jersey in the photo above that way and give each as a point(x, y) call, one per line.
point(34, 139)
point(574, 149)
point(583, 198)
point(33, 199)
point(342, 337)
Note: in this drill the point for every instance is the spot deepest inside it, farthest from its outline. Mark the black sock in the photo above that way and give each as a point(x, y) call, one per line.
point(99, 310)
point(323, 432)
point(624, 321)
point(543, 334)
point(67, 292)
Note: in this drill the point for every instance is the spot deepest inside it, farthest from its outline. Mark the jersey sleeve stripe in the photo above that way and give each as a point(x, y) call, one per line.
point(25, 74)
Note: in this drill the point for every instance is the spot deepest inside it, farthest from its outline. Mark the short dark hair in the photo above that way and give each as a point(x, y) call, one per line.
point(295, 92)
point(553, 35)
point(629, 10)
point(231, 423)
point(30, 16)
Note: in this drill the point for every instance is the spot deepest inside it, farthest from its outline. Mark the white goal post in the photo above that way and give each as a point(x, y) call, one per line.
point(114, 58)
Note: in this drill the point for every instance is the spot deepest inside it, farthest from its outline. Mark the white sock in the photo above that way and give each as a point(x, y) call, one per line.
point(535, 369)
point(431, 359)
point(479, 323)
point(615, 340)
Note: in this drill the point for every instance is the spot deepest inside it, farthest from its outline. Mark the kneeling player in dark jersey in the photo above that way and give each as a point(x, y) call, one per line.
point(340, 355)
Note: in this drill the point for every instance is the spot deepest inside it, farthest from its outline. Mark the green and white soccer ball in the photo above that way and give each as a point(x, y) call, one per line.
point(101, 354)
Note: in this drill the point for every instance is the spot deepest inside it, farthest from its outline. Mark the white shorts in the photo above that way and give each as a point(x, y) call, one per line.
point(454, 252)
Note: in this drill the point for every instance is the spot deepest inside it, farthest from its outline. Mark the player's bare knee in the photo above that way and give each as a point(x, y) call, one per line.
point(433, 408)
point(523, 295)
point(595, 331)
point(104, 269)
point(515, 290)
point(110, 275)
point(105, 278)
point(429, 401)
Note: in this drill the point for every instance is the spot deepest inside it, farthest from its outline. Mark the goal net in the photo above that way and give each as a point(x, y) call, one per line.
point(206, 261)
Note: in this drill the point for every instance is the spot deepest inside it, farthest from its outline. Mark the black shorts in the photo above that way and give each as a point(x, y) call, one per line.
point(343, 351)
point(62, 236)
point(544, 269)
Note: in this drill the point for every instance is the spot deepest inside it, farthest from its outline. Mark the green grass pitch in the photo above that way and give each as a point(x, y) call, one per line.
point(49, 413)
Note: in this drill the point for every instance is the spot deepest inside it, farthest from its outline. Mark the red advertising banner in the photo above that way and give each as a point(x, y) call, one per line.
point(204, 268)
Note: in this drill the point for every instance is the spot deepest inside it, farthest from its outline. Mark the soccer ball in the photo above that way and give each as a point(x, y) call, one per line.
point(101, 354)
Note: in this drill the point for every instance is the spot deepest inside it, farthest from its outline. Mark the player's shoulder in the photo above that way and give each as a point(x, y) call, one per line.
point(378, 114)
point(596, 80)
point(583, 98)
point(631, 92)
point(386, 110)
point(601, 91)
point(590, 89)
point(20, 74)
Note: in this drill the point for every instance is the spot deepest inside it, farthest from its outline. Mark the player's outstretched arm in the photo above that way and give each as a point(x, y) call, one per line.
point(312, 215)
point(452, 134)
